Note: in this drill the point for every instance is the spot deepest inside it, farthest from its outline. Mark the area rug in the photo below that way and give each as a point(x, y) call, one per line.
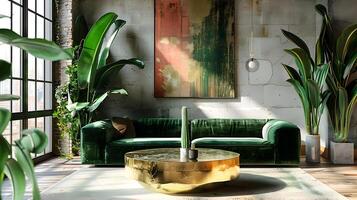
point(253, 183)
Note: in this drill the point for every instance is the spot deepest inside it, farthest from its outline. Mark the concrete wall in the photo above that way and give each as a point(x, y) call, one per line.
point(262, 94)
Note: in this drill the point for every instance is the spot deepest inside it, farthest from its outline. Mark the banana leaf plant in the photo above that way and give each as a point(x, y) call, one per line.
point(341, 54)
point(308, 82)
point(32, 140)
point(94, 69)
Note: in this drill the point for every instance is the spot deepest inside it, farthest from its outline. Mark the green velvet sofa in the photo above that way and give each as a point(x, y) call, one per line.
point(259, 142)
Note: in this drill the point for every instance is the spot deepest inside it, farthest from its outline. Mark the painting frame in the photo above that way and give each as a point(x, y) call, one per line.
point(232, 62)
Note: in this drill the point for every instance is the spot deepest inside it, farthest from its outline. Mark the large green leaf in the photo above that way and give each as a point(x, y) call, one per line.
point(5, 117)
point(320, 75)
point(298, 41)
point(342, 100)
point(17, 177)
point(303, 94)
point(325, 97)
point(314, 93)
point(5, 70)
point(8, 97)
point(302, 61)
point(293, 74)
point(348, 117)
point(112, 33)
point(4, 16)
point(23, 157)
point(7, 36)
point(349, 65)
point(106, 71)
point(34, 140)
point(347, 38)
point(88, 60)
point(321, 9)
point(100, 99)
point(77, 106)
point(44, 49)
point(4, 155)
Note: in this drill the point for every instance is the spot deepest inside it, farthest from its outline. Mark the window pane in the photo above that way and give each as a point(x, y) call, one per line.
point(31, 96)
point(40, 27)
point(48, 96)
point(48, 9)
point(40, 98)
point(32, 5)
point(5, 10)
point(40, 124)
point(48, 73)
point(16, 130)
point(31, 123)
point(16, 90)
point(16, 19)
point(40, 7)
point(31, 67)
point(16, 62)
point(18, 1)
point(5, 52)
point(48, 131)
point(31, 28)
point(48, 30)
point(40, 69)
point(5, 89)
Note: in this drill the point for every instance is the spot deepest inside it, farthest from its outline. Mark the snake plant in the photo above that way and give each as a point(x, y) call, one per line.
point(32, 140)
point(341, 54)
point(94, 70)
point(308, 82)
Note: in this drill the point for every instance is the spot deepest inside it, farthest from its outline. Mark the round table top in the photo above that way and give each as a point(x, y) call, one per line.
point(162, 170)
point(173, 155)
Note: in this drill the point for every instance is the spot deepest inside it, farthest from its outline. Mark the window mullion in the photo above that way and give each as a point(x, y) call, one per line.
point(25, 66)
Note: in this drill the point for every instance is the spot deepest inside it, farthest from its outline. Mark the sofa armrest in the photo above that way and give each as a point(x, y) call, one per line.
point(286, 139)
point(94, 138)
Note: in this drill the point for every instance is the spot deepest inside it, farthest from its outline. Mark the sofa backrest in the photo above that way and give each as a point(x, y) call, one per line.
point(157, 127)
point(227, 128)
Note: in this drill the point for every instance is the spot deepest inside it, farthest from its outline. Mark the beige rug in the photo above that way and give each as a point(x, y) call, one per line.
point(253, 183)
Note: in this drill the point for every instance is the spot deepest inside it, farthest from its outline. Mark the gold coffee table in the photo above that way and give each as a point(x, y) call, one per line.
point(161, 169)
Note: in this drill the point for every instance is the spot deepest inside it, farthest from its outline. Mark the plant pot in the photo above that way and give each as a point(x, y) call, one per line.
point(193, 154)
point(342, 153)
point(312, 147)
point(184, 152)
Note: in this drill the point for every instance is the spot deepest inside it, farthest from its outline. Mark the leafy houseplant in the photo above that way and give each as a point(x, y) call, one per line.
point(308, 83)
point(33, 140)
point(341, 54)
point(93, 71)
point(67, 123)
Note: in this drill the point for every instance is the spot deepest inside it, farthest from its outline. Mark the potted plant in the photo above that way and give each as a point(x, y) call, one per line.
point(308, 83)
point(92, 69)
point(341, 55)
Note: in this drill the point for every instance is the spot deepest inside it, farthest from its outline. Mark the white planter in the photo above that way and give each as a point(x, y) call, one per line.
point(184, 154)
point(342, 153)
point(312, 147)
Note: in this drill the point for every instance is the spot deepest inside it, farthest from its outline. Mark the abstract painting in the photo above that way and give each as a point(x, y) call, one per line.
point(195, 48)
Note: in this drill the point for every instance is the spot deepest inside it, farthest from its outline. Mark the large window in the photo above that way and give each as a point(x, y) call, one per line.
point(31, 77)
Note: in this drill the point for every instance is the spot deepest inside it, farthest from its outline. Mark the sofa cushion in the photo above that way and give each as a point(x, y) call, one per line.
point(251, 150)
point(146, 142)
point(230, 141)
point(157, 127)
point(227, 127)
point(115, 151)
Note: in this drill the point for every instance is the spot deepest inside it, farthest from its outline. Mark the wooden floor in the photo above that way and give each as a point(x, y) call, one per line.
point(342, 179)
